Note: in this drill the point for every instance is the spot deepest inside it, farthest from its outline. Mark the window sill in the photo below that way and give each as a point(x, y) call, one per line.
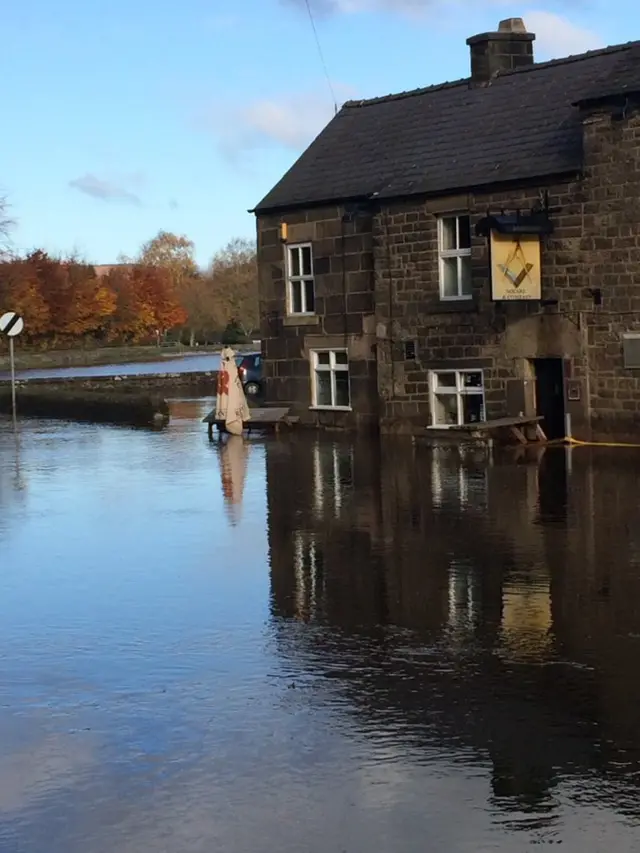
point(451, 305)
point(301, 320)
point(456, 426)
point(330, 409)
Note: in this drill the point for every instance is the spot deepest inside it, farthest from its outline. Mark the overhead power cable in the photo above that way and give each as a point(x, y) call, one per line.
point(321, 55)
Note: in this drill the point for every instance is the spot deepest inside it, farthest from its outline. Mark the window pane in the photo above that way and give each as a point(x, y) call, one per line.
point(341, 357)
point(446, 409)
point(306, 260)
point(310, 303)
point(296, 297)
point(472, 380)
point(323, 388)
point(324, 358)
point(294, 262)
point(445, 380)
point(342, 387)
point(449, 276)
point(465, 277)
point(464, 232)
point(472, 408)
point(448, 233)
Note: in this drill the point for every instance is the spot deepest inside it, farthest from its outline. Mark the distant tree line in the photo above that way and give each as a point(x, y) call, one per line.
point(67, 302)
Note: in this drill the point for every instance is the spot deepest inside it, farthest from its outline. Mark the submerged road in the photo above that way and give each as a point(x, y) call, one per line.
point(304, 644)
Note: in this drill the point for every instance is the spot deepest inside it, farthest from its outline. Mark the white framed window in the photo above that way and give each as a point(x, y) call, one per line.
point(457, 397)
point(301, 297)
point(330, 379)
point(454, 256)
point(631, 350)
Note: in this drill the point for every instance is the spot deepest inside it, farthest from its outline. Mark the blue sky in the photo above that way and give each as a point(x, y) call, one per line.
point(123, 118)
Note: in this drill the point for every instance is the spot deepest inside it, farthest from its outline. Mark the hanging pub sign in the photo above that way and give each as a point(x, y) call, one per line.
point(515, 266)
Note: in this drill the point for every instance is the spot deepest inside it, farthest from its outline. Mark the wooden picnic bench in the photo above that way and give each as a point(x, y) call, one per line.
point(516, 426)
point(270, 417)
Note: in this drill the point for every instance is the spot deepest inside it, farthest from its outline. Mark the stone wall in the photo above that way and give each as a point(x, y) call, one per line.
point(595, 246)
point(343, 273)
point(377, 288)
point(611, 251)
point(199, 384)
point(475, 333)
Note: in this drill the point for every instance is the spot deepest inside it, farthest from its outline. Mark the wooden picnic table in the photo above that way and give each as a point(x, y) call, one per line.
point(270, 417)
point(515, 426)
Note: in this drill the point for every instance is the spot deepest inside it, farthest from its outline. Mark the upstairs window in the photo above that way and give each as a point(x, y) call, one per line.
point(454, 253)
point(300, 284)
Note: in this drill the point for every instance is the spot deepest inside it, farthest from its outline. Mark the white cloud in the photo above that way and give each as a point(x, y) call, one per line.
point(557, 36)
point(289, 121)
point(109, 189)
point(351, 7)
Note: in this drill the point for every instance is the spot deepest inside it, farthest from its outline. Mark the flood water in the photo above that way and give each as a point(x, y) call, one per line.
point(303, 644)
point(187, 363)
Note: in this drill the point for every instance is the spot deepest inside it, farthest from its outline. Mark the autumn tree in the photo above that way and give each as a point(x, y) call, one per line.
point(175, 253)
point(20, 291)
point(234, 282)
point(198, 300)
point(146, 302)
point(172, 252)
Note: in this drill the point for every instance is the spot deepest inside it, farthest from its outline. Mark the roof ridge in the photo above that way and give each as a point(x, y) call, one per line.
point(537, 66)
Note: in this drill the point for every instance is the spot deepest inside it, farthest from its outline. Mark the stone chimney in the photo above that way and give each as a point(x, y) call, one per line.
point(511, 47)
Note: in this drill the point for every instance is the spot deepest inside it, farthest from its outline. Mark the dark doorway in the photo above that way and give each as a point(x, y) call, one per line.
point(550, 395)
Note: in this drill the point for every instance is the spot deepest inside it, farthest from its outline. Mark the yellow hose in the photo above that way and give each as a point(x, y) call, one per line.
point(574, 442)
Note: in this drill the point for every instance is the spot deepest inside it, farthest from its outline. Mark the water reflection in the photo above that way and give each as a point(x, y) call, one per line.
point(465, 605)
point(234, 455)
point(301, 643)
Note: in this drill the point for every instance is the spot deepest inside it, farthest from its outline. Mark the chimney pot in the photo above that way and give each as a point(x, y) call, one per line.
point(512, 25)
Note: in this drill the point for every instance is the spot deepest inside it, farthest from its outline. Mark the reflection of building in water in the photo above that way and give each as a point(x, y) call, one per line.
point(491, 608)
point(459, 475)
point(526, 620)
point(307, 566)
point(332, 476)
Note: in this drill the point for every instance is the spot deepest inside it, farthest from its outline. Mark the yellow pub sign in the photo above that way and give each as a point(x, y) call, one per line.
point(515, 266)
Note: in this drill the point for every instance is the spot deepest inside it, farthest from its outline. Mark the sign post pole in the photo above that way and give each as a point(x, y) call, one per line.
point(12, 324)
point(13, 380)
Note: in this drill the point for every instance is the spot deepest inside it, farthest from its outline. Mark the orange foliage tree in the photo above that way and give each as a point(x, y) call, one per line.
point(66, 303)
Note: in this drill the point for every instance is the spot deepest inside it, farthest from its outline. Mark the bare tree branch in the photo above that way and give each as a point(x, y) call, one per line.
point(6, 224)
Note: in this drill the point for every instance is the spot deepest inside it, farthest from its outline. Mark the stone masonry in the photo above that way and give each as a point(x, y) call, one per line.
point(377, 288)
point(343, 272)
point(595, 246)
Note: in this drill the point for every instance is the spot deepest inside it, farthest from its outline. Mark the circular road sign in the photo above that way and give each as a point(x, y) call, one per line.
point(11, 324)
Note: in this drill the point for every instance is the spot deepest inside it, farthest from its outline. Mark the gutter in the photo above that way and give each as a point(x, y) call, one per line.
point(568, 174)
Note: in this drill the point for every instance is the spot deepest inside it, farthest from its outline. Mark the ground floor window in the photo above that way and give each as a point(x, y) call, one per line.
point(457, 397)
point(330, 379)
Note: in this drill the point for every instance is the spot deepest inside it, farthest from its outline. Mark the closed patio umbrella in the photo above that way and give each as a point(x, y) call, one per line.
point(231, 404)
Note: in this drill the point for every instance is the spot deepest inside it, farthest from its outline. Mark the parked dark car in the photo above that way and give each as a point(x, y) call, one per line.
point(250, 371)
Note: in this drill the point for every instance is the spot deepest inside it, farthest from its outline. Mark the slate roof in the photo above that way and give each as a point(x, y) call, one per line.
point(524, 124)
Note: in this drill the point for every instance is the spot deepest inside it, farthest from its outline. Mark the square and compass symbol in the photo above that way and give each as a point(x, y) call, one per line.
point(515, 267)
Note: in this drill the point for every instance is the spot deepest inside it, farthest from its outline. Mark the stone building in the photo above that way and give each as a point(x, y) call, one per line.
point(465, 252)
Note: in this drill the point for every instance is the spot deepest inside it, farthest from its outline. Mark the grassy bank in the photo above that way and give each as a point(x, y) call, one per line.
point(96, 406)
